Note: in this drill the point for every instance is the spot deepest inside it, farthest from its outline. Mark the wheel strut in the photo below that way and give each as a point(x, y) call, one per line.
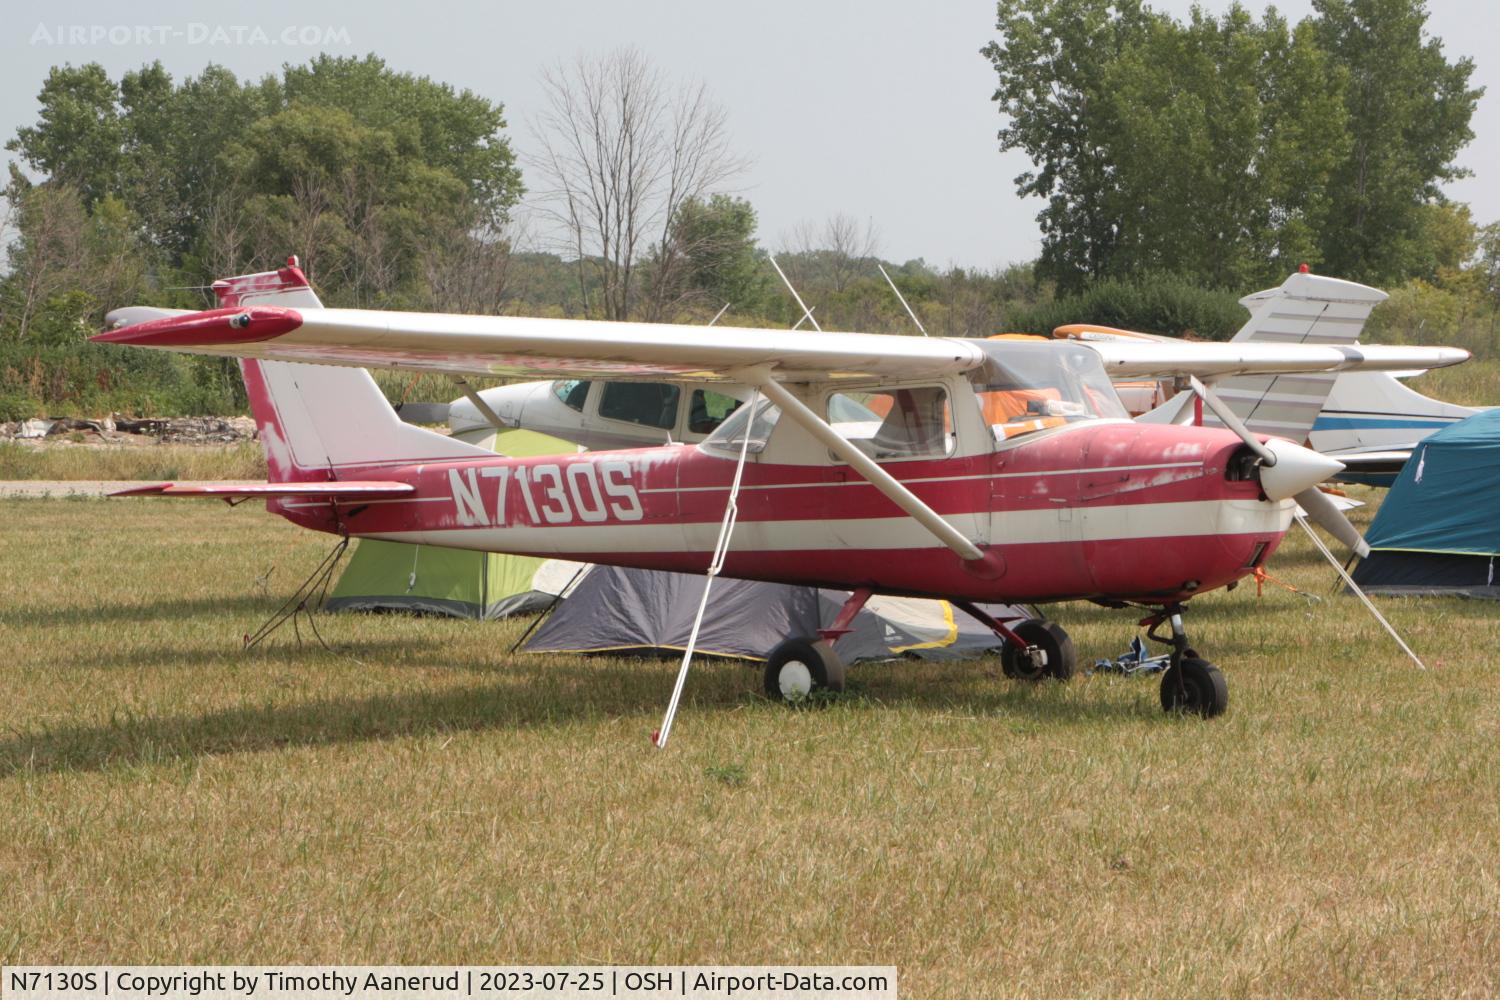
point(1190, 683)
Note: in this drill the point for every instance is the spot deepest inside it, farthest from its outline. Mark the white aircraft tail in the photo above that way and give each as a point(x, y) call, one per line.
point(316, 420)
point(1304, 309)
point(1373, 411)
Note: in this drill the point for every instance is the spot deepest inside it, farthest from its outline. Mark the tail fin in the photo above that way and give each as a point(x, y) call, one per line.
point(1304, 309)
point(286, 286)
point(317, 420)
point(1373, 410)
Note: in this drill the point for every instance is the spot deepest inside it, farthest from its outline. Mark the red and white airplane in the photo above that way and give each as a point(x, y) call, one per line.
point(998, 471)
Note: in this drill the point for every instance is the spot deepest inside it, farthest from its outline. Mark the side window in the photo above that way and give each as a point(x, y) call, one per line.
point(572, 392)
point(707, 410)
point(653, 404)
point(895, 423)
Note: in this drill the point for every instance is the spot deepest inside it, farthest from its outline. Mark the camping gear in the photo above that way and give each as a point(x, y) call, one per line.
point(1438, 531)
point(426, 579)
point(1136, 660)
point(632, 611)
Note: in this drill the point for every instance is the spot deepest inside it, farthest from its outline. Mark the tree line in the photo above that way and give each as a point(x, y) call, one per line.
point(1181, 164)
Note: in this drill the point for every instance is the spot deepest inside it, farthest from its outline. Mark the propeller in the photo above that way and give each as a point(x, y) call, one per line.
point(1290, 471)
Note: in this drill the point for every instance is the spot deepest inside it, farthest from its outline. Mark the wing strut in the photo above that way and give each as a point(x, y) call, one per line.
point(864, 465)
point(479, 404)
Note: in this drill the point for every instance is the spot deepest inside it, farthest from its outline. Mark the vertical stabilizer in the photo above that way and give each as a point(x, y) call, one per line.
point(1304, 309)
point(317, 420)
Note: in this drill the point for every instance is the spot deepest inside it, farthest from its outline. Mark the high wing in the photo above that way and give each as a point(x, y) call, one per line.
point(510, 346)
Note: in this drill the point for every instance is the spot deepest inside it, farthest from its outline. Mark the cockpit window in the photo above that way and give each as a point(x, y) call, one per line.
point(572, 392)
point(731, 433)
point(707, 410)
point(894, 423)
point(1025, 387)
point(653, 404)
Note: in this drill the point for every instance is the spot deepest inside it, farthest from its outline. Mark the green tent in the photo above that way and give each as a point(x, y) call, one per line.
point(1438, 531)
point(426, 579)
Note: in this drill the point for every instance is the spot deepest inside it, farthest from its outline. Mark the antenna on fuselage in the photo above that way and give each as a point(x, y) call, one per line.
point(807, 313)
point(901, 298)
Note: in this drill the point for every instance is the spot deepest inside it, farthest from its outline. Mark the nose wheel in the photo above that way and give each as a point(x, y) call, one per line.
point(1190, 684)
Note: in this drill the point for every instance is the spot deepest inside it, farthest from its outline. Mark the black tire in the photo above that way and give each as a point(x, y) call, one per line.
point(833, 665)
point(1062, 658)
point(1195, 686)
point(797, 669)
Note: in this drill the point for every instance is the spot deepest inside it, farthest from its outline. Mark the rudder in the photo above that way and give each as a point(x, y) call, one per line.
point(316, 420)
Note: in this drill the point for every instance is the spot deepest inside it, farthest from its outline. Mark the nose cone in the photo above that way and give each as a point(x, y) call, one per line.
point(1296, 469)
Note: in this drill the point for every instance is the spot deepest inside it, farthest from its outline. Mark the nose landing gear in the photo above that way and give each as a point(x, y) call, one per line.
point(1190, 683)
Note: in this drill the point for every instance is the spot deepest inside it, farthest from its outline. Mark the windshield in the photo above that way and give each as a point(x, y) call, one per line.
point(1031, 386)
point(731, 433)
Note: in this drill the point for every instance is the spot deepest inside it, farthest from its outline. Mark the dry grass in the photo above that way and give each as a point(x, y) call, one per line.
point(1474, 383)
point(423, 797)
point(61, 460)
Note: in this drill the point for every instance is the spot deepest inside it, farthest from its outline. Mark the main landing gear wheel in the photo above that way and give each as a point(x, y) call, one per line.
point(1059, 658)
point(1195, 686)
point(799, 668)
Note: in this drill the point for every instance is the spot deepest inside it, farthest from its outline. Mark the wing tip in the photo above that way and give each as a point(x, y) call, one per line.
point(208, 328)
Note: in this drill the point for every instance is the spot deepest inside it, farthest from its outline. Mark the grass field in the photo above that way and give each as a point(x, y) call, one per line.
point(63, 461)
point(421, 796)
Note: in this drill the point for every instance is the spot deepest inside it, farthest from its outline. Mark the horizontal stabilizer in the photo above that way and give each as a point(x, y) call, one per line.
point(347, 490)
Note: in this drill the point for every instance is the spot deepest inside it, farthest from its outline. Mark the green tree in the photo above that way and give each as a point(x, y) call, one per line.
point(78, 135)
point(710, 253)
point(177, 156)
point(1051, 61)
point(1409, 111)
point(1227, 150)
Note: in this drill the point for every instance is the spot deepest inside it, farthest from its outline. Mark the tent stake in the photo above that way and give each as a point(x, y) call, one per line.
point(721, 550)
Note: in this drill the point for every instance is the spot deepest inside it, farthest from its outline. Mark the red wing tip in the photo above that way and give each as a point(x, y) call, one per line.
point(135, 491)
point(212, 327)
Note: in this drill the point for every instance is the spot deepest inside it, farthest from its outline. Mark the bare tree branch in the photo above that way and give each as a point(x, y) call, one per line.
point(621, 151)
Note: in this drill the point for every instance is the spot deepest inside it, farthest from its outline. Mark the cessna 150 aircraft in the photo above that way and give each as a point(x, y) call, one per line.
point(1000, 471)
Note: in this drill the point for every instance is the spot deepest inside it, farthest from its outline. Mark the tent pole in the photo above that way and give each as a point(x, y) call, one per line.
point(556, 600)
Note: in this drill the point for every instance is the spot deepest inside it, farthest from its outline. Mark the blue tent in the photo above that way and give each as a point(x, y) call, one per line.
point(1438, 531)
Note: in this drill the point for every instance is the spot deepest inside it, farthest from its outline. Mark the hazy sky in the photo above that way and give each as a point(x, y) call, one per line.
point(879, 109)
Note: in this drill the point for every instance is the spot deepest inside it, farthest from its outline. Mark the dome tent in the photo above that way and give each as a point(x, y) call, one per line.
point(634, 611)
point(1438, 531)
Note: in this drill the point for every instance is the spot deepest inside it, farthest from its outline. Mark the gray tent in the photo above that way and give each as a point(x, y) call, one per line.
point(636, 611)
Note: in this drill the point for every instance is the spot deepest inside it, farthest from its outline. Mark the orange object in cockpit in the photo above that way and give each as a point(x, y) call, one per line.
point(1003, 405)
